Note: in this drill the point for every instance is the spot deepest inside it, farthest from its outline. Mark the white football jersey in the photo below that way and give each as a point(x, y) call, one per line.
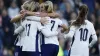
point(49, 33)
point(20, 35)
point(52, 26)
point(31, 40)
point(81, 35)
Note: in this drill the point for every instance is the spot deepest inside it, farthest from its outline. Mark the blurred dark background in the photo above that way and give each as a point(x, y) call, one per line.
point(66, 8)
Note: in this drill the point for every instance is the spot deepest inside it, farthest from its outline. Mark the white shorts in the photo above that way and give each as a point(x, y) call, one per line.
point(76, 52)
point(80, 55)
point(74, 55)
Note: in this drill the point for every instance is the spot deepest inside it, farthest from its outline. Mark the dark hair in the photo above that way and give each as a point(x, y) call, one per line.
point(81, 16)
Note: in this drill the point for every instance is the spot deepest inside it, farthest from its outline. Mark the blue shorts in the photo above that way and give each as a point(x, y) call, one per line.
point(49, 50)
point(24, 53)
point(18, 51)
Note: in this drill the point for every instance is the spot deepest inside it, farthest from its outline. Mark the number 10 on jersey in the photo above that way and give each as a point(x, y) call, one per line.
point(83, 34)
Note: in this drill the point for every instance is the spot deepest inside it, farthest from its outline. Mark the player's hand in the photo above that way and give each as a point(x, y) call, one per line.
point(22, 11)
point(22, 16)
point(44, 20)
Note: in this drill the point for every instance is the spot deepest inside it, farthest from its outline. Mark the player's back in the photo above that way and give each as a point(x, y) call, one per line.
point(30, 28)
point(31, 40)
point(53, 26)
point(81, 37)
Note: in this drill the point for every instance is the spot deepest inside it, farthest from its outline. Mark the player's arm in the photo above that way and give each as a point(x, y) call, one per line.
point(65, 28)
point(16, 18)
point(94, 37)
point(49, 33)
point(54, 15)
point(33, 18)
point(43, 20)
point(18, 30)
point(46, 31)
point(71, 32)
point(29, 13)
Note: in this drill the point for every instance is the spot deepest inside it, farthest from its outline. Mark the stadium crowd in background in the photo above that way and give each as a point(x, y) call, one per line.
point(67, 9)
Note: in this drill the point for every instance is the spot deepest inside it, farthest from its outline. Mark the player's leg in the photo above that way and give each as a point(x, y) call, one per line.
point(17, 51)
point(47, 50)
point(56, 50)
point(27, 53)
point(24, 53)
point(33, 54)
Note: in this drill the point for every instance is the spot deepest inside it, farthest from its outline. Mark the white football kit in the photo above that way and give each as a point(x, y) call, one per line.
point(20, 35)
point(81, 35)
point(52, 25)
point(32, 39)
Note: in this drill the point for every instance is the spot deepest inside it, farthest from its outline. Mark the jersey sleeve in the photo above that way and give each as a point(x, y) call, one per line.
point(93, 30)
point(48, 33)
point(18, 30)
point(93, 35)
point(60, 22)
point(33, 18)
point(39, 26)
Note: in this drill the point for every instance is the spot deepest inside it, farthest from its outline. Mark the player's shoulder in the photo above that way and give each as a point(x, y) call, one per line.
point(57, 19)
point(27, 17)
point(47, 17)
point(88, 22)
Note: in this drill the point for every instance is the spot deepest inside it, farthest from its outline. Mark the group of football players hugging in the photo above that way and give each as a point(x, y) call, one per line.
point(36, 29)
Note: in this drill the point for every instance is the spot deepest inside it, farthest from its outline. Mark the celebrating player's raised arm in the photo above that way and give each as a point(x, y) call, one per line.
point(53, 15)
point(41, 14)
point(33, 19)
point(16, 18)
point(94, 36)
point(38, 19)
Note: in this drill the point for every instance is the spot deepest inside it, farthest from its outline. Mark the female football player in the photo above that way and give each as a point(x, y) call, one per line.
point(80, 32)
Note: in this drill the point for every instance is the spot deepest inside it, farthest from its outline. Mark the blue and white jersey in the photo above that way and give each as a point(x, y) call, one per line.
point(52, 26)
